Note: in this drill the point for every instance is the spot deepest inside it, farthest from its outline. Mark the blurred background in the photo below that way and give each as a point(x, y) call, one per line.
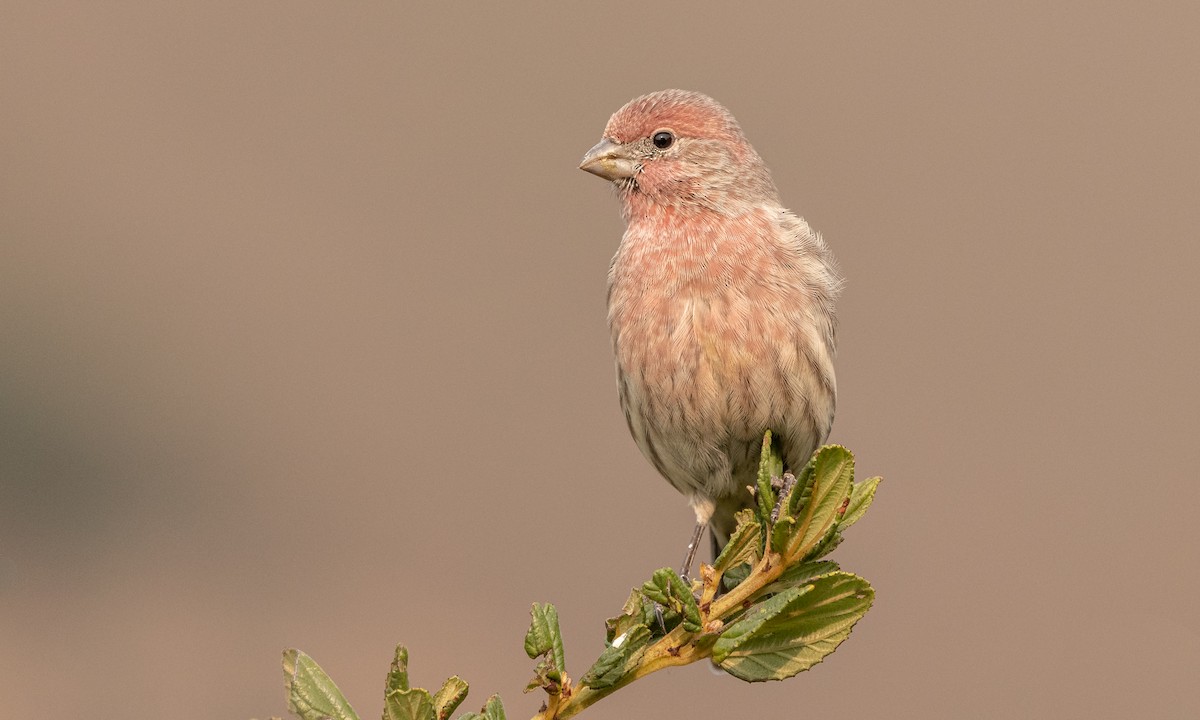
point(303, 344)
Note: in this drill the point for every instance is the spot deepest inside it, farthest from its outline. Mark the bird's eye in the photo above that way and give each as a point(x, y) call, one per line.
point(662, 139)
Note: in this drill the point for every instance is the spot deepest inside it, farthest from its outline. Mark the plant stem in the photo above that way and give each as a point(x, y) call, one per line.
point(677, 647)
point(657, 657)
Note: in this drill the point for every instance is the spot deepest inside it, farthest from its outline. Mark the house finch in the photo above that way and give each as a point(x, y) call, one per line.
point(720, 304)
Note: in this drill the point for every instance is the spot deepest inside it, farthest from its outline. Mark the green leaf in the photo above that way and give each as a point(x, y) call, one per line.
point(794, 630)
point(827, 545)
point(449, 696)
point(783, 529)
point(621, 655)
point(792, 505)
point(832, 469)
point(802, 490)
point(800, 575)
point(400, 701)
point(412, 704)
point(860, 499)
point(666, 588)
point(861, 496)
point(744, 546)
point(312, 695)
point(397, 678)
point(493, 710)
point(637, 611)
point(735, 575)
point(770, 465)
point(544, 637)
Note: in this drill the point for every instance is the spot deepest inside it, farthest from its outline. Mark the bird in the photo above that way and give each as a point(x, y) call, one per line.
point(720, 305)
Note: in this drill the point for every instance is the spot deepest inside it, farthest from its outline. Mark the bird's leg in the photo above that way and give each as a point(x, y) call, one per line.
point(691, 551)
point(784, 488)
point(683, 572)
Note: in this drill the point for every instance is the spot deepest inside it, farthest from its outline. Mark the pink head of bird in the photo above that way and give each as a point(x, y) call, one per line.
point(680, 150)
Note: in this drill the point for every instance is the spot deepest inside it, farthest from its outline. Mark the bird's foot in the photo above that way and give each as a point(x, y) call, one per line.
point(784, 488)
point(658, 615)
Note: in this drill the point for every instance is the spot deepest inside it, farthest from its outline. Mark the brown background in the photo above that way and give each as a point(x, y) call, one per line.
point(302, 312)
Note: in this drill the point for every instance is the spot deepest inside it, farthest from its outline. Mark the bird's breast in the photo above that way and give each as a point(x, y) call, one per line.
point(690, 308)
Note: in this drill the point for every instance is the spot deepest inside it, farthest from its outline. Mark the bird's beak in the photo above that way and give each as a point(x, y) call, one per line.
point(609, 160)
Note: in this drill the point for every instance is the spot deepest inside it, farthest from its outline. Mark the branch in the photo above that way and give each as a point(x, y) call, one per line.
point(768, 608)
